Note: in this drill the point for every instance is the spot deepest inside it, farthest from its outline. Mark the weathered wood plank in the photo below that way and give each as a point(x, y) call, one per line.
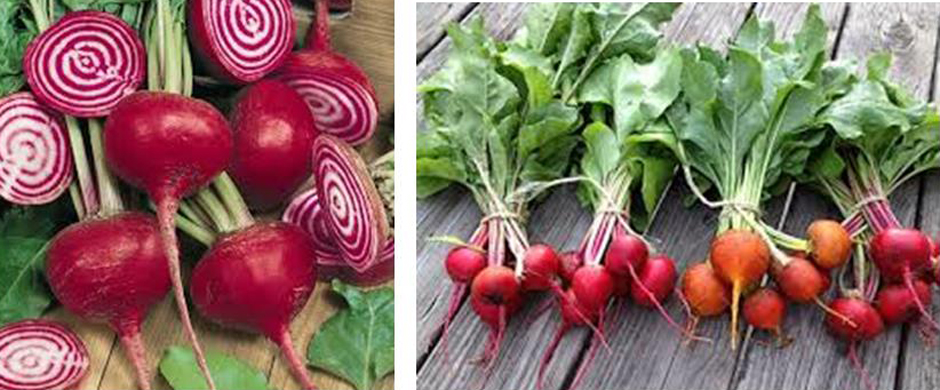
point(815, 359)
point(559, 221)
point(685, 235)
point(452, 212)
point(432, 19)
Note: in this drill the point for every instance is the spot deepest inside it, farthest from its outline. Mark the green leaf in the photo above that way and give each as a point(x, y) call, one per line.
point(24, 235)
point(358, 342)
point(638, 93)
point(15, 34)
point(179, 368)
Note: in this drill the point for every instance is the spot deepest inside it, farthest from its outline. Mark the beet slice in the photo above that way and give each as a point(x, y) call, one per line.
point(85, 63)
point(39, 355)
point(35, 161)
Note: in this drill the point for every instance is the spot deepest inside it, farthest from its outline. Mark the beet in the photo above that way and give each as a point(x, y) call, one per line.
point(896, 305)
point(625, 251)
point(257, 279)
point(240, 41)
point(168, 145)
point(658, 276)
point(339, 93)
point(34, 151)
point(273, 142)
point(765, 309)
point(541, 265)
point(706, 294)
point(593, 286)
point(800, 280)
point(112, 270)
point(866, 323)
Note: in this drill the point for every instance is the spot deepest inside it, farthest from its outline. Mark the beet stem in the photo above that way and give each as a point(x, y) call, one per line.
point(318, 38)
point(134, 349)
point(659, 307)
point(582, 368)
point(166, 210)
point(547, 356)
point(857, 364)
point(735, 299)
point(296, 365)
point(834, 313)
point(455, 297)
point(909, 282)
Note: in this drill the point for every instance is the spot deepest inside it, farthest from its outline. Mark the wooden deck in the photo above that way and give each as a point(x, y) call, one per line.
point(367, 37)
point(646, 353)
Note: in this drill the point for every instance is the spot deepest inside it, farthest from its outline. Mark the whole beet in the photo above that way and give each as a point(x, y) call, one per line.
point(273, 143)
point(257, 279)
point(111, 270)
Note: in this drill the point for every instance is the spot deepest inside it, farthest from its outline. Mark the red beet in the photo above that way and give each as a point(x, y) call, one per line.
point(257, 279)
point(168, 145)
point(112, 270)
point(463, 264)
point(765, 310)
point(541, 266)
point(865, 324)
point(899, 253)
point(240, 41)
point(593, 286)
point(496, 286)
point(658, 276)
point(902, 255)
point(273, 142)
point(625, 251)
point(800, 280)
point(896, 305)
point(338, 91)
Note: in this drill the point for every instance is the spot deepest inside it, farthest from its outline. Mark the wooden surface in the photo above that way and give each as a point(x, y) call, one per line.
point(366, 36)
point(646, 353)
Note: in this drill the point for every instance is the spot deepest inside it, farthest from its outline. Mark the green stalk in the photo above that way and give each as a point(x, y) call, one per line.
point(233, 200)
point(199, 233)
point(82, 170)
point(215, 209)
point(111, 202)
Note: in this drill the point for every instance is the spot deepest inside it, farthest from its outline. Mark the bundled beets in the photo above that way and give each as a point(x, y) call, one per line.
point(501, 154)
point(893, 266)
point(746, 133)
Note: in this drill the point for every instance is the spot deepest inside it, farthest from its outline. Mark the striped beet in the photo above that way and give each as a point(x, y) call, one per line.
point(85, 63)
point(354, 210)
point(241, 41)
point(35, 162)
point(39, 355)
point(339, 93)
point(304, 211)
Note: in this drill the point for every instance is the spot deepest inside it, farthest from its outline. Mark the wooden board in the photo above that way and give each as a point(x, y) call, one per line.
point(367, 37)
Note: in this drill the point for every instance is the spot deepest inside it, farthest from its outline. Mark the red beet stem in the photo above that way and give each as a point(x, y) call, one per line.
point(924, 313)
point(318, 38)
point(166, 210)
point(296, 365)
point(547, 356)
point(134, 349)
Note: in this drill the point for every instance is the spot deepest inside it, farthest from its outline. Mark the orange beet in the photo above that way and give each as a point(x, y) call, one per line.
point(706, 294)
point(801, 281)
point(830, 244)
point(740, 258)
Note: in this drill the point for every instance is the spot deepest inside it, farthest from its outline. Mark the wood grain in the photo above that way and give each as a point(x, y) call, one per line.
point(432, 19)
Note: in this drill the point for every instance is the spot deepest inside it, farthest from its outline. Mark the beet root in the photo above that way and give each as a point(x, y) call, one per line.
point(112, 270)
point(896, 304)
point(859, 320)
point(257, 279)
point(706, 294)
point(273, 142)
point(740, 258)
point(541, 266)
point(765, 309)
point(800, 280)
point(829, 242)
point(463, 264)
